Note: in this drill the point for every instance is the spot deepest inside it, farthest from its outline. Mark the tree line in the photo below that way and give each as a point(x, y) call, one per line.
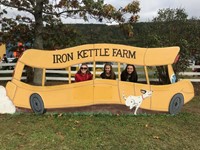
point(46, 31)
point(146, 34)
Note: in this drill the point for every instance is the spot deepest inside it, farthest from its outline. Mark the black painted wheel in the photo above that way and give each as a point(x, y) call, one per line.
point(37, 104)
point(176, 104)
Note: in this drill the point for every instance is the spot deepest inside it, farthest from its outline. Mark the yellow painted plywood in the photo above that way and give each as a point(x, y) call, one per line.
point(2, 50)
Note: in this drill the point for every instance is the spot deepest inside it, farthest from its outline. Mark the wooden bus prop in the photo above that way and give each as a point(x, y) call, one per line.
point(169, 97)
point(2, 50)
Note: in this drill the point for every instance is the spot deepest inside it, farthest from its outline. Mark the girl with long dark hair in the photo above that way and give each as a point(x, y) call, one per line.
point(108, 72)
point(129, 74)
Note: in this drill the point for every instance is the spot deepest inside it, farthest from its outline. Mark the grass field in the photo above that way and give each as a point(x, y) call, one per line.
point(63, 131)
point(85, 131)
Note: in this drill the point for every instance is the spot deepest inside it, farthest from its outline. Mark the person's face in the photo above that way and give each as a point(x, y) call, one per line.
point(130, 69)
point(84, 69)
point(107, 69)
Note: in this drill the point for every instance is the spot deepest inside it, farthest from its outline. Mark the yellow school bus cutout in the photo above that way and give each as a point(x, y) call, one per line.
point(2, 50)
point(168, 98)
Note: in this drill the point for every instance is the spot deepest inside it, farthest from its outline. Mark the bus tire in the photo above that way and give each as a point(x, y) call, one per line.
point(176, 103)
point(37, 104)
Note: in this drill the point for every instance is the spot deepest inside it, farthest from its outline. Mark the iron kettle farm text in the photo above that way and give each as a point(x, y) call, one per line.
point(62, 58)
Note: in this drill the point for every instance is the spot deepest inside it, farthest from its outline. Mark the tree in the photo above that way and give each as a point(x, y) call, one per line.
point(171, 28)
point(50, 12)
point(168, 14)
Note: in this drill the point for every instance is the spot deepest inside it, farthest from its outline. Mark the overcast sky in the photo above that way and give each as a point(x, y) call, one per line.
point(149, 8)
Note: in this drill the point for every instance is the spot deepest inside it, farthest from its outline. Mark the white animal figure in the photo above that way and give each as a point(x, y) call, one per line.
point(136, 101)
point(6, 105)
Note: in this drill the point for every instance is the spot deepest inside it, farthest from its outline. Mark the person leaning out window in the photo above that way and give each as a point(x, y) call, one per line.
point(83, 74)
point(129, 74)
point(108, 72)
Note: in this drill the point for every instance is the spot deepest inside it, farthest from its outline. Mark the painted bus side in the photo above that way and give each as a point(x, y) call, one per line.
point(2, 50)
point(97, 91)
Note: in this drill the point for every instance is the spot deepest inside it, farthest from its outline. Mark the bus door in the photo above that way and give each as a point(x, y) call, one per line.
point(82, 93)
point(105, 90)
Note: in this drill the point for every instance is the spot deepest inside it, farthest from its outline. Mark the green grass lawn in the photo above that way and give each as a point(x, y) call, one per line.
point(60, 131)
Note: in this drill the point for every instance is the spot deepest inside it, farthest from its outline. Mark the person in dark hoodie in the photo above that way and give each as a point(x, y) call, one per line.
point(129, 74)
point(108, 72)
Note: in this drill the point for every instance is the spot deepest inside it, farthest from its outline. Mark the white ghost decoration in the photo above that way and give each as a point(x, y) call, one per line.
point(6, 105)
